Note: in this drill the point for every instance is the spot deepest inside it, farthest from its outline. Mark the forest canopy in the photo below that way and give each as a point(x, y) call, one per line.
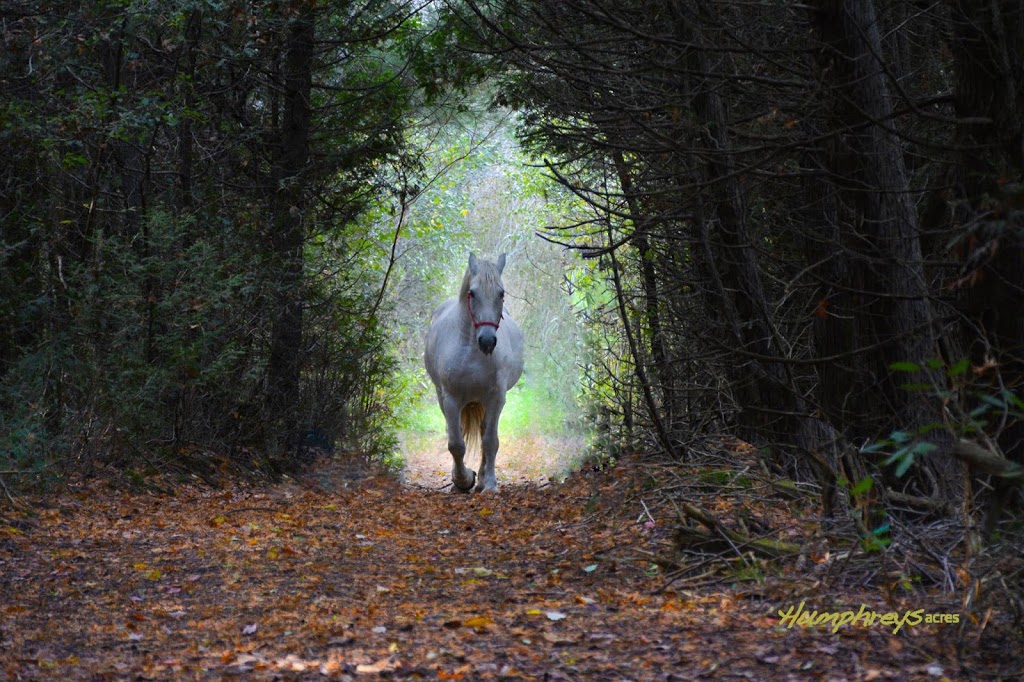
point(799, 224)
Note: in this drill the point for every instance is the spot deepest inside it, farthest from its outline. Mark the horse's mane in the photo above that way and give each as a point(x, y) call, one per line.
point(486, 271)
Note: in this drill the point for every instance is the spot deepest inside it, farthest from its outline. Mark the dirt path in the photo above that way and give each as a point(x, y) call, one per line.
point(536, 459)
point(345, 575)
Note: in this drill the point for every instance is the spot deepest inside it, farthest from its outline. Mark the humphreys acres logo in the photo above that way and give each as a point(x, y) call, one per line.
point(864, 617)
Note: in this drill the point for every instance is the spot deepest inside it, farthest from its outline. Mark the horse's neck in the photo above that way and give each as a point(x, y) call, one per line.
point(466, 329)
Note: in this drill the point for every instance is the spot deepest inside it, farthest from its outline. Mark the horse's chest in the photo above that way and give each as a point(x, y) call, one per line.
point(472, 374)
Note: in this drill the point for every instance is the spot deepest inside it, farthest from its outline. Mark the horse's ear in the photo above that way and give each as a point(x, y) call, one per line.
point(472, 262)
point(501, 263)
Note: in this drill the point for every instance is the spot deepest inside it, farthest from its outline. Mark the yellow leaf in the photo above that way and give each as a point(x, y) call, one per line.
point(485, 511)
point(273, 553)
point(153, 575)
point(534, 612)
point(140, 567)
point(478, 622)
point(383, 665)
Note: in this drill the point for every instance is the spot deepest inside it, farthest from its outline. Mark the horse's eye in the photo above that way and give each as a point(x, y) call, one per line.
point(472, 294)
point(501, 294)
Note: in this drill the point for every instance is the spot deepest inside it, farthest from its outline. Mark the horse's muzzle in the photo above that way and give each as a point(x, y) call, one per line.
point(487, 340)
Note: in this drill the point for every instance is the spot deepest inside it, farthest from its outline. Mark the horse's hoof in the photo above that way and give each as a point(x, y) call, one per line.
point(468, 488)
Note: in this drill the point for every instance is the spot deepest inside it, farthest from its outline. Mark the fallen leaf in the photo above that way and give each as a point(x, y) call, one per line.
point(822, 309)
point(383, 665)
point(555, 615)
point(557, 639)
point(250, 629)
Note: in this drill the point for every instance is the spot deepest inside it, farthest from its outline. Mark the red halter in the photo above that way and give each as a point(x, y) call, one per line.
point(477, 325)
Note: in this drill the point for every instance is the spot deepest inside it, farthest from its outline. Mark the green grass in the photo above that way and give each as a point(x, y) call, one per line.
point(541, 436)
point(529, 410)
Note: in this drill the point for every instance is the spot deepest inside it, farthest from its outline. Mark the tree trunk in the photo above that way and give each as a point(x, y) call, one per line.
point(768, 404)
point(186, 160)
point(988, 43)
point(892, 316)
point(988, 47)
point(663, 369)
point(289, 237)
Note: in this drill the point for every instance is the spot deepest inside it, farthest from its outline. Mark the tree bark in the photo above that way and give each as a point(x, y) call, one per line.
point(664, 437)
point(662, 367)
point(988, 43)
point(988, 57)
point(289, 237)
point(892, 315)
point(768, 404)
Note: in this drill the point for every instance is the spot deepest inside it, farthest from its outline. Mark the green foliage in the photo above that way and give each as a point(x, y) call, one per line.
point(140, 272)
point(529, 410)
point(878, 540)
point(24, 451)
point(480, 193)
point(749, 571)
point(147, 344)
point(904, 447)
point(862, 487)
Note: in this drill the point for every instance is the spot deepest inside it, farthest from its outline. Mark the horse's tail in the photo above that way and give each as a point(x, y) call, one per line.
point(472, 422)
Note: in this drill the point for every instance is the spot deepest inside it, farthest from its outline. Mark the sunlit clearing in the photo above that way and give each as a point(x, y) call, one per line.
point(539, 441)
point(485, 196)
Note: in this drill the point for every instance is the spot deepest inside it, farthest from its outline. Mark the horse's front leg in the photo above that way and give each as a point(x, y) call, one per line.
point(462, 476)
point(489, 445)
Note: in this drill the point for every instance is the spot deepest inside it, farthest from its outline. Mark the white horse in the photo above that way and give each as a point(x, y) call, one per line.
point(474, 355)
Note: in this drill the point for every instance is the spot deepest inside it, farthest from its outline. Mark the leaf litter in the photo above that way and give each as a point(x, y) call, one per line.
point(350, 582)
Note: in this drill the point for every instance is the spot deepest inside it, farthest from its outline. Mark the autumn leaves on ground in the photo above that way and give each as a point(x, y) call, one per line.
point(346, 573)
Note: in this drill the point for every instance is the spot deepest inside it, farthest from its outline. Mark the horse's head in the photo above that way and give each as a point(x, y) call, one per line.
point(485, 296)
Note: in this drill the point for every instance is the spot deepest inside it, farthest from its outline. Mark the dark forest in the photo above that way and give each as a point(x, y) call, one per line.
point(795, 249)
